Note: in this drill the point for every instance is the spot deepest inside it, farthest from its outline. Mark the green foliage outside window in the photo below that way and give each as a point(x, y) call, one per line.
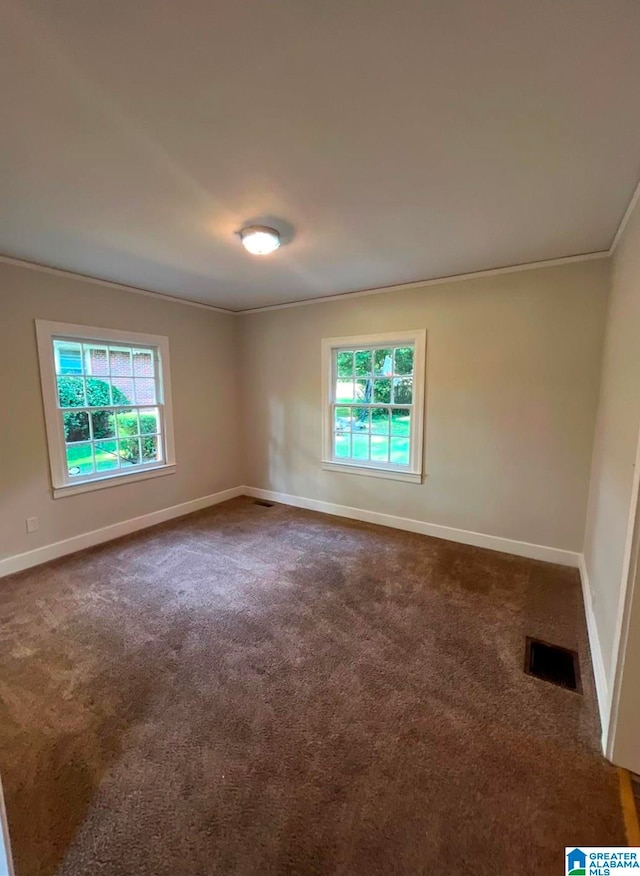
point(71, 395)
point(372, 371)
point(128, 425)
point(76, 423)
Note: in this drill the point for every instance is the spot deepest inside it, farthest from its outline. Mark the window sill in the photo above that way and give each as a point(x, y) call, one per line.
point(113, 481)
point(387, 473)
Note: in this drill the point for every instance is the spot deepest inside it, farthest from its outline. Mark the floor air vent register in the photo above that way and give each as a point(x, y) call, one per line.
point(552, 663)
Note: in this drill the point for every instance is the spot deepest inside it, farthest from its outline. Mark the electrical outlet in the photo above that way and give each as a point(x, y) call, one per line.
point(33, 525)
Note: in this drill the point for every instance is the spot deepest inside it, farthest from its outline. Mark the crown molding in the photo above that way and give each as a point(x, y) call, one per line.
point(98, 281)
point(625, 219)
point(341, 296)
point(436, 281)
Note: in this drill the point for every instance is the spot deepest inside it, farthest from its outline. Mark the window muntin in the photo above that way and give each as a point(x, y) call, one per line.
point(374, 402)
point(376, 424)
point(107, 405)
point(107, 402)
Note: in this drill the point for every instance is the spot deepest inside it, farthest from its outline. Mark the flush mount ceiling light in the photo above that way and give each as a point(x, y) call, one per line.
point(259, 239)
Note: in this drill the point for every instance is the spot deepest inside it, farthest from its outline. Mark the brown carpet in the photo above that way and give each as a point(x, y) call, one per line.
point(259, 690)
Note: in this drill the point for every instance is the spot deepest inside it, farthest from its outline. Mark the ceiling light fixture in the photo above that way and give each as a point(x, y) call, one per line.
point(260, 240)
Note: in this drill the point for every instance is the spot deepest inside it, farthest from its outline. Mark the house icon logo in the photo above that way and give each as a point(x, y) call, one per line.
point(576, 863)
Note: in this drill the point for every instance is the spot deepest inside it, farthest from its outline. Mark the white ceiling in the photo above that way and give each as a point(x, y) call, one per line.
point(390, 141)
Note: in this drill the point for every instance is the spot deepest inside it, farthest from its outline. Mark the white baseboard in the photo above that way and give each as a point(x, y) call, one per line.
point(17, 563)
point(602, 687)
point(462, 536)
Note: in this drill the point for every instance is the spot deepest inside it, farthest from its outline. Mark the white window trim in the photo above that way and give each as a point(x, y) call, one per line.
point(45, 333)
point(413, 472)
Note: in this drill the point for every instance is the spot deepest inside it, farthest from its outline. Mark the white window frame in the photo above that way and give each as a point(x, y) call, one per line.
point(63, 484)
point(411, 473)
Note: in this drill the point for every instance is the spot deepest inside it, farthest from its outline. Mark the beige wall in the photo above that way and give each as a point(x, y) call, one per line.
point(203, 375)
point(513, 367)
point(610, 499)
point(616, 439)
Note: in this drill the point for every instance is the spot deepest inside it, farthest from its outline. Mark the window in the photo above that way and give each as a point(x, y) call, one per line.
point(107, 403)
point(374, 404)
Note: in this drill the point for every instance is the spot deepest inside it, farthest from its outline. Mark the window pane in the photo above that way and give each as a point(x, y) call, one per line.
point(96, 361)
point(363, 363)
point(150, 449)
point(363, 390)
point(106, 455)
point(123, 391)
point(342, 445)
point(109, 396)
point(76, 426)
point(373, 403)
point(130, 450)
point(104, 424)
point(98, 393)
point(79, 459)
point(400, 421)
point(361, 447)
point(382, 391)
point(68, 357)
point(403, 390)
point(143, 363)
point(149, 421)
point(71, 392)
point(127, 423)
point(400, 451)
point(382, 363)
point(344, 390)
point(379, 448)
point(403, 360)
point(360, 419)
point(380, 421)
point(345, 364)
point(120, 364)
point(342, 422)
point(145, 391)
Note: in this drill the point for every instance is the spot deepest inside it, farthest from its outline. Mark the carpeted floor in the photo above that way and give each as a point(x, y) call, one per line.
point(257, 690)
